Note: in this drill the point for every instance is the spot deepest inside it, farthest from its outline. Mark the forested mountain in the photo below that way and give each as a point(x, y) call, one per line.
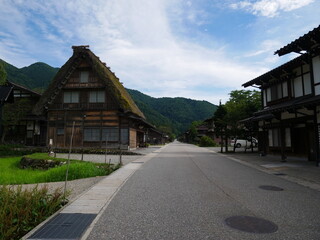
point(37, 76)
point(177, 113)
point(168, 114)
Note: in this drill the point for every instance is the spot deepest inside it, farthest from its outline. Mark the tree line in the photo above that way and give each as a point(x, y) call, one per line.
point(242, 104)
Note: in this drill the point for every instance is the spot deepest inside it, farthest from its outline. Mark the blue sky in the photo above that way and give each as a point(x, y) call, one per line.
point(199, 49)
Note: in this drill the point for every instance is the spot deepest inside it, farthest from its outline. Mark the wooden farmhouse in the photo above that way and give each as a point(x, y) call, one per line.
point(27, 128)
point(156, 137)
point(87, 94)
point(289, 122)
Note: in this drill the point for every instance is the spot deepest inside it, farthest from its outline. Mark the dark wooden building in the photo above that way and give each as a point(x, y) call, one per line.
point(156, 137)
point(289, 122)
point(87, 93)
point(30, 129)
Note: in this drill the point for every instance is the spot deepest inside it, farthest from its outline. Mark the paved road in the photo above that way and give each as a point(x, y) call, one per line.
point(187, 192)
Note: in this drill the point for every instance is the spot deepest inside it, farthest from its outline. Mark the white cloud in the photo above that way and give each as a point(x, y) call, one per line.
point(134, 38)
point(270, 8)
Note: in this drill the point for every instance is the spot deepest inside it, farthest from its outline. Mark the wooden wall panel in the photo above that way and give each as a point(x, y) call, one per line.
point(133, 138)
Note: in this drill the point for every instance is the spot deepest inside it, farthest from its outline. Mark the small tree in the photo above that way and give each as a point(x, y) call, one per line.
point(241, 105)
point(206, 141)
point(220, 124)
point(193, 133)
point(13, 113)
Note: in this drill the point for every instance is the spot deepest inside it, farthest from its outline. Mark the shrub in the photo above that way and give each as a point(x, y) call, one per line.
point(76, 171)
point(206, 141)
point(13, 150)
point(22, 210)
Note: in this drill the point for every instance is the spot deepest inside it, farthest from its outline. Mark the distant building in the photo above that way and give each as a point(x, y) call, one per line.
point(156, 137)
point(289, 122)
point(31, 129)
point(87, 94)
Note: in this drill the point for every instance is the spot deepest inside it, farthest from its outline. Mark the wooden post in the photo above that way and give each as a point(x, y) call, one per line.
point(226, 139)
point(105, 157)
point(83, 116)
point(120, 153)
point(68, 163)
point(283, 143)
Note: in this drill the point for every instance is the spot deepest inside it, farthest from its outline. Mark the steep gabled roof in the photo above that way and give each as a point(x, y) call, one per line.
point(5, 92)
point(276, 73)
point(113, 84)
point(20, 87)
point(303, 43)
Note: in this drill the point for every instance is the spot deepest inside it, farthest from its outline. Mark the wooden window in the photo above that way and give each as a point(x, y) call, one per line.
point(71, 97)
point(317, 90)
point(60, 131)
point(110, 134)
point(97, 97)
point(264, 95)
point(288, 137)
point(301, 85)
point(268, 94)
point(84, 76)
point(125, 136)
point(297, 87)
point(92, 134)
point(316, 69)
point(274, 137)
point(284, 89)
point(276, 92)
point(307, 84)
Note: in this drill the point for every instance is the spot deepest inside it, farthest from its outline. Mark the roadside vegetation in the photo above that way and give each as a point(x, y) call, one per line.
point(241, 105)
point(22, 210)
point(206, 141)
point(11, 173)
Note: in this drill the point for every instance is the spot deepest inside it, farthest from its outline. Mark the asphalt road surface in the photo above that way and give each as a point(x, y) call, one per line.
point(187, 192)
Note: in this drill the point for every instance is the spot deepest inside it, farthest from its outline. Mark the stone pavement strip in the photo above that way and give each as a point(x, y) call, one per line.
point(85, 210)
point(296, 170)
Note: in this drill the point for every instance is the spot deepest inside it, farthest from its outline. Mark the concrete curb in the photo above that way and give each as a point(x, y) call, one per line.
point(97, 198)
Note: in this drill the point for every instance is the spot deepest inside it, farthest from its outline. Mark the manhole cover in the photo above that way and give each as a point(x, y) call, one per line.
point(280, 174)
point(271, 188)
point(251, 224)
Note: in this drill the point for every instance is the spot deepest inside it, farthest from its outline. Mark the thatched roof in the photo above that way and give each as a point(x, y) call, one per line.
point(114, 87)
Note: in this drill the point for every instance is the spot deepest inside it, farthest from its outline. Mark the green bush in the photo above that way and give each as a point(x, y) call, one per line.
point(22, 210)
point(206, 141)
point(76, 171)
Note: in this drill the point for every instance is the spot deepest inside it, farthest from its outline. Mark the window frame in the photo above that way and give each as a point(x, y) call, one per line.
point(94, 96)
point(84, 76)
point(88, 134)
point(71, 98)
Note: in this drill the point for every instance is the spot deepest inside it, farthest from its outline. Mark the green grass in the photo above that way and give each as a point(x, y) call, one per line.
point(10, 173)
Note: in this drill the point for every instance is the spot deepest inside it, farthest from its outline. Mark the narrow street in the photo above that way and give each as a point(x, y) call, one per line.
point(187, 192)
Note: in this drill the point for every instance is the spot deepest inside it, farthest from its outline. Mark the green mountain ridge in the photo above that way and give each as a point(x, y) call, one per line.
point(171, 115)
point(37, 76)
